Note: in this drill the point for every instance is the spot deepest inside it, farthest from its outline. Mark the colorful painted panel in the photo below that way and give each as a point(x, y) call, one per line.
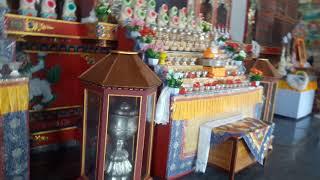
point(7, 49)
point(2, 13)
point(16, 145)
point(177, 163)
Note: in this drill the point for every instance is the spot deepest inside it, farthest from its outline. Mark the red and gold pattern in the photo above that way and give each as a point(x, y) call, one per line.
point(33, 26)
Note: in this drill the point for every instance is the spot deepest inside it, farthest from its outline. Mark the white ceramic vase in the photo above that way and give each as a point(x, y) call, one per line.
point(153, 61)
point(238, 63)
point(175, 91)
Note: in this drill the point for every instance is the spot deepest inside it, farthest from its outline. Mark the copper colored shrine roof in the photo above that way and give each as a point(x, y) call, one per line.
point(121, 69)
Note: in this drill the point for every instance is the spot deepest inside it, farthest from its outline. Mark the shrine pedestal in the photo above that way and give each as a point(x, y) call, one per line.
point(292, 103)
point(175, 144)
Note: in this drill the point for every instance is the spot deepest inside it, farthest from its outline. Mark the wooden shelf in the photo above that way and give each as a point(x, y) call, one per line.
point(17, 25)
point(264, 49)
point(30, 47)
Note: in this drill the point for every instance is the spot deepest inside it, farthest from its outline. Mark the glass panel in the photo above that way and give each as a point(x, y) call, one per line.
point(93, 106)
point(272, 100)
point(265, 100)
point(147, 150)
point(123, 119)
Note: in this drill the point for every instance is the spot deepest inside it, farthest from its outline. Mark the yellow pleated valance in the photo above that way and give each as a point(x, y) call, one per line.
point(313, 85)
point(14, 96)
point(207, 107)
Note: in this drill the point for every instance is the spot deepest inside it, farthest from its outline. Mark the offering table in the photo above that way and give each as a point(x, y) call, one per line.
point(175, 144)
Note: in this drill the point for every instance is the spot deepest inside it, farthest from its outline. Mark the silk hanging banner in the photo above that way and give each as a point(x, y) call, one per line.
point(14, 96)
point(206, 107)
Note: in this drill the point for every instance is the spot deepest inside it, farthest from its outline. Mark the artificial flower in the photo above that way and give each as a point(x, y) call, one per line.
point(164, 7)
point(151, 4)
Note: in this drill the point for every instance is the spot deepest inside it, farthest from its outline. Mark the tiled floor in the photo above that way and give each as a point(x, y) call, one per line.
point(296, 155)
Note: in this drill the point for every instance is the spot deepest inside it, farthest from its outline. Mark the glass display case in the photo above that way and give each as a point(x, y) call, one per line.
point(118, 118)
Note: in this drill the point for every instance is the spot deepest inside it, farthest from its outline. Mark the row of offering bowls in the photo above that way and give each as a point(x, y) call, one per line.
point(183, 34)
point(176, 45)
point(191, 74)
point(210, 88)
point(205, 74)
point(184, 61)
point(183, 40)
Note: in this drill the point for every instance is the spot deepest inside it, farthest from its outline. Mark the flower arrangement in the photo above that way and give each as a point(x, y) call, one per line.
point(240, 56)
point(174, 79)
point(155, 47)
point(232, 47)
point(147, 32)
point(135, 25)
point(152, 52)
point(146, 35)
point(103, 10)
point(255, 75)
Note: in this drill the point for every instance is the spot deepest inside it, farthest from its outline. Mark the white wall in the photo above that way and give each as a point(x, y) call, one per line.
point(238, 18)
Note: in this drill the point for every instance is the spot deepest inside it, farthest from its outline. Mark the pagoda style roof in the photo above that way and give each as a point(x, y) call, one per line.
point(121, 69)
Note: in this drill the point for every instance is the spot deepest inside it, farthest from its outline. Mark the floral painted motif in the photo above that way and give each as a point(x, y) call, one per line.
point(16, 145)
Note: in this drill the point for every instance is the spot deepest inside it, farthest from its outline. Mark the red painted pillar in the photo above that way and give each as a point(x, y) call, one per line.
point(124, 43)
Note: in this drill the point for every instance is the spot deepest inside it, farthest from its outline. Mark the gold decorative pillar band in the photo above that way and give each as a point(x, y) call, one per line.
point(14, 96)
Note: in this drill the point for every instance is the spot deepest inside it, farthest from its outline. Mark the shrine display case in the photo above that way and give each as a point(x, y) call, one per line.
point(119, 107)
point(270, 82)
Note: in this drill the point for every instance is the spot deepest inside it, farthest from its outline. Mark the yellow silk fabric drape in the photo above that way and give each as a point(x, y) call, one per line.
point(208, 107)
point(313, 85)
point(14, 97)
point(197, 111)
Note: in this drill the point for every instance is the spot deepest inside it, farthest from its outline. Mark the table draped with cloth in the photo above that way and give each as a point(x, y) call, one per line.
point(256, 134)
point(187, 113)
point(14, 132)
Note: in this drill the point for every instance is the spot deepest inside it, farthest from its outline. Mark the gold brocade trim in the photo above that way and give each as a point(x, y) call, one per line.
point(14, 98)
point(207, 107)
point(34, 26)
point(313, 85)
point(54, 131)
point(22, 33)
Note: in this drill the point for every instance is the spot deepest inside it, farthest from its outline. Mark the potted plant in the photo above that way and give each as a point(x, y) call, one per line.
point(146, 37)
point(255, 76)
point(153, 56)
point(239, 57)
point(174, 81)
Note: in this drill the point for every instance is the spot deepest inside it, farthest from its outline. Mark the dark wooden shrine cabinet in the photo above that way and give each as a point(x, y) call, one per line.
point(274, 19)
